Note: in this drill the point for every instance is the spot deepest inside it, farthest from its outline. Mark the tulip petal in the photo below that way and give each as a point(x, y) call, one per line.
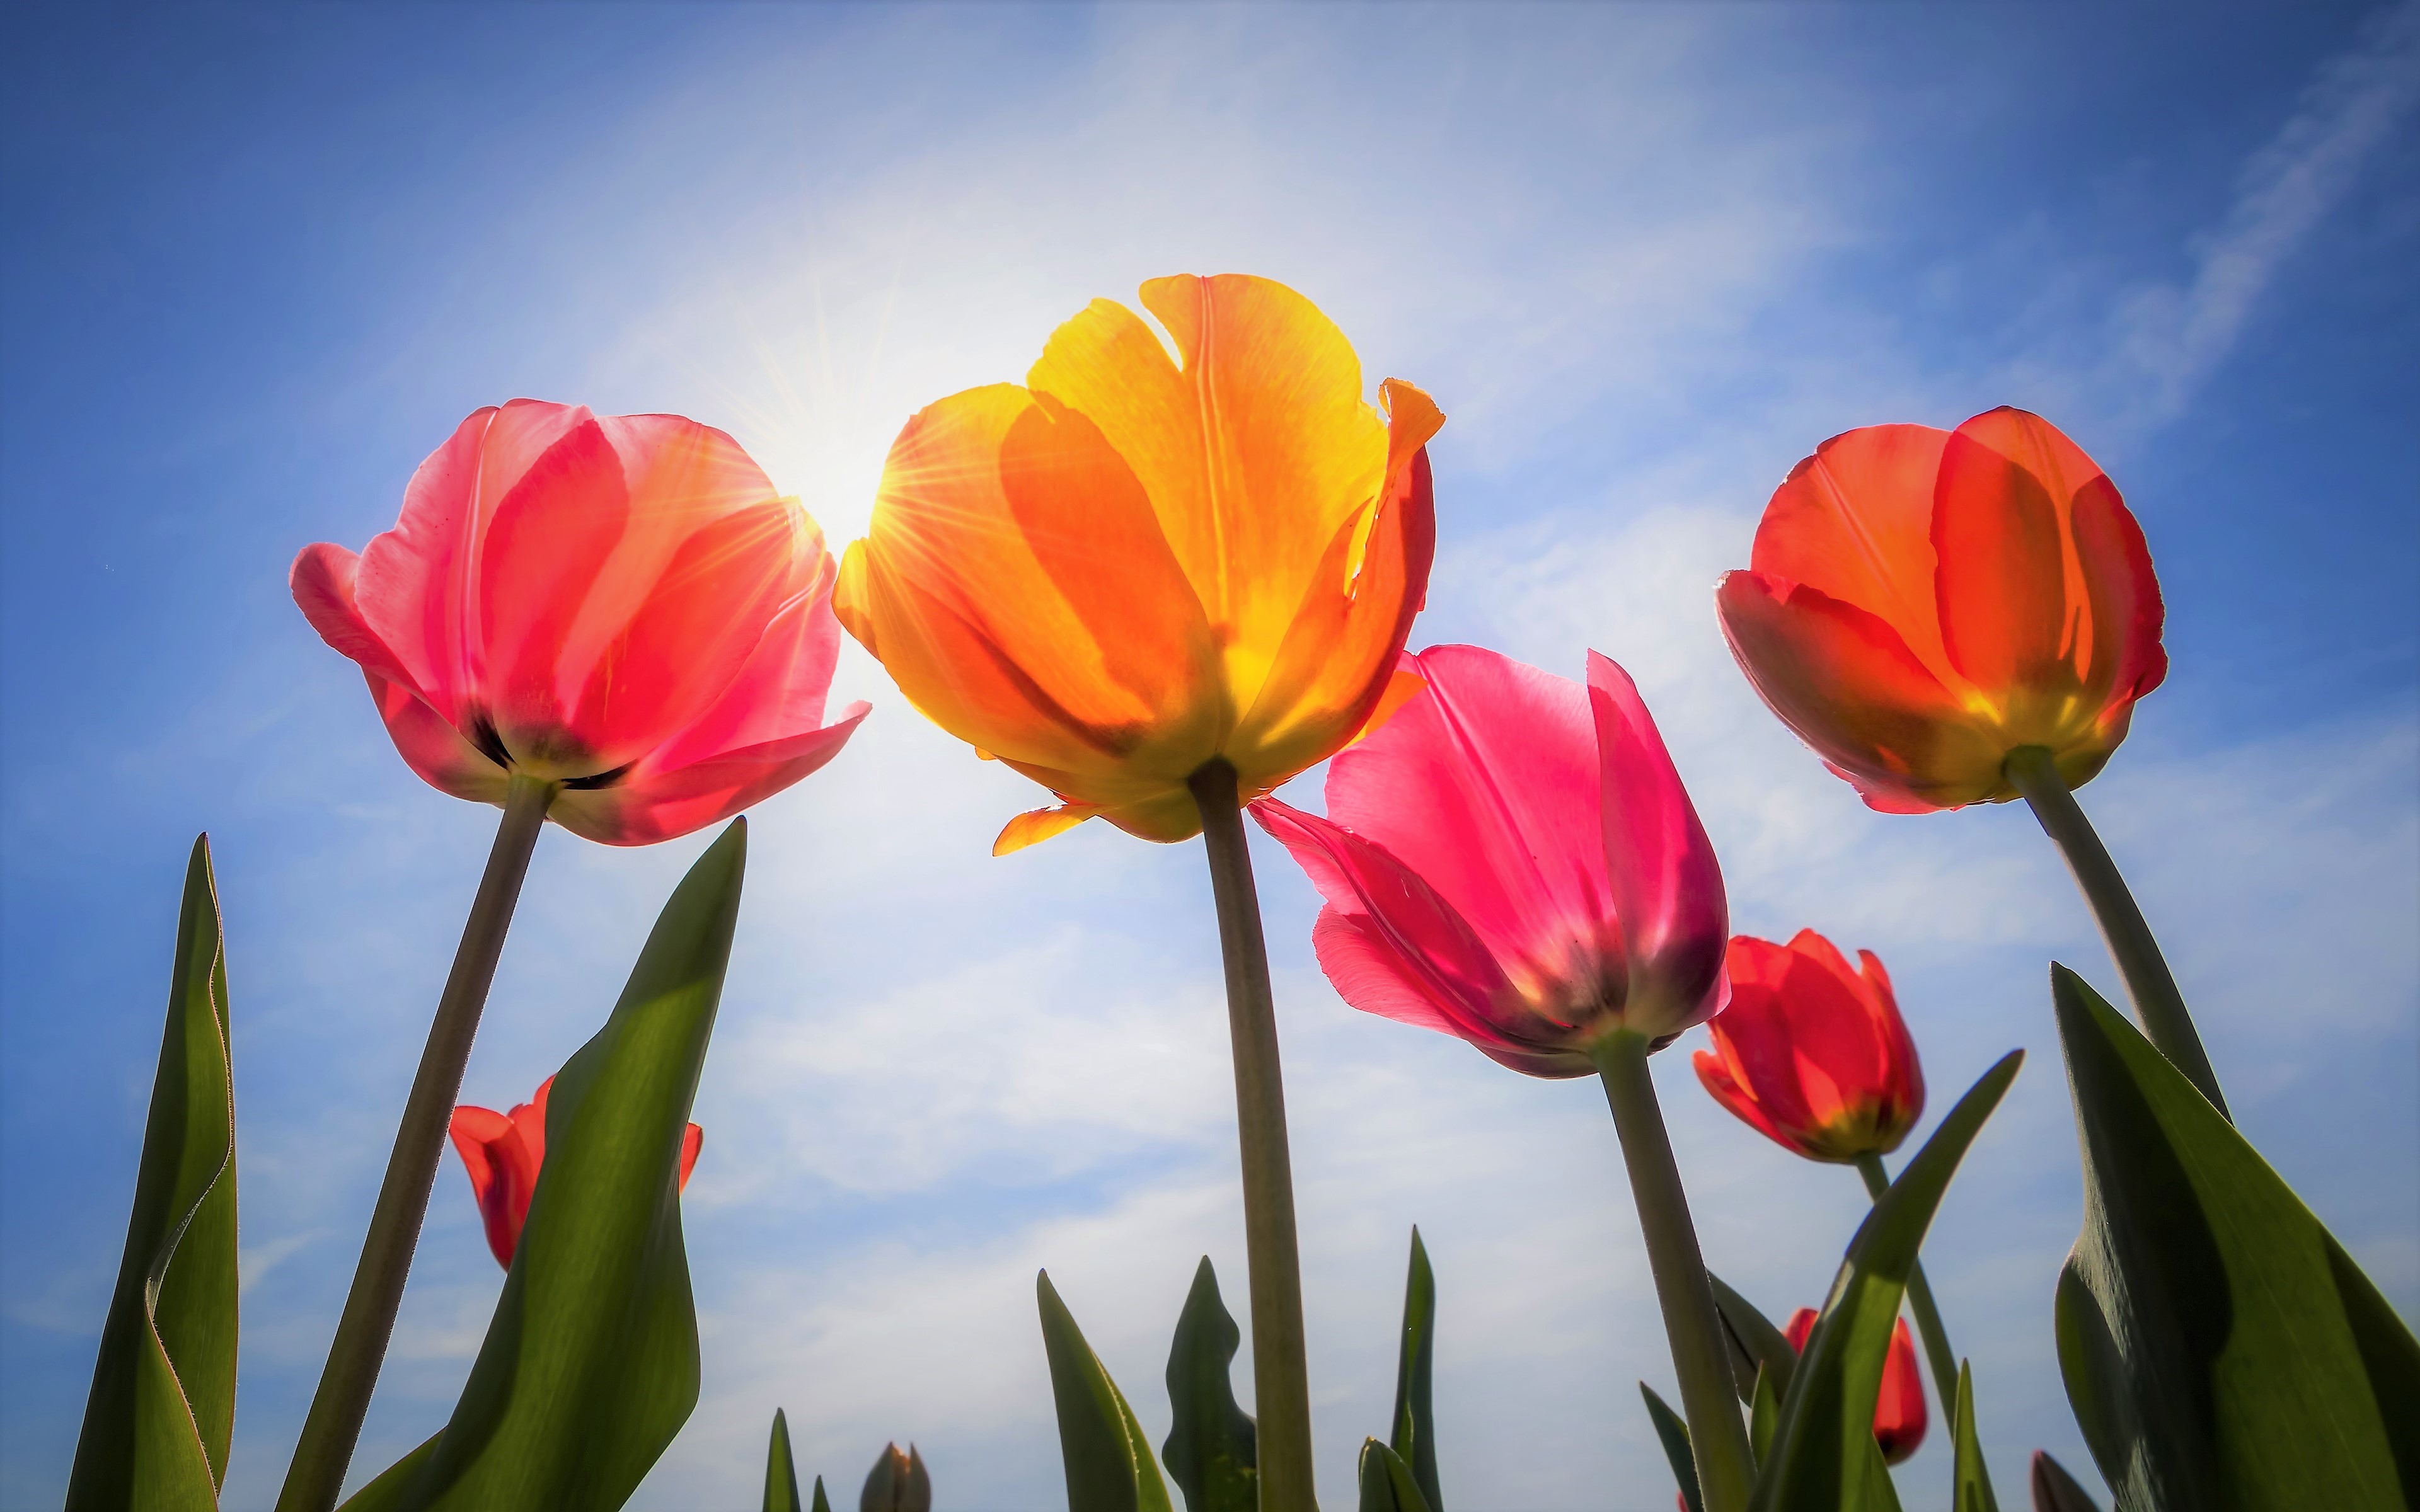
point(779, 693)
point(1403, 948)
point(434, 749)
point(2128, 659)
point(693, 1144)
point(418, 582)
point(1854, 520)
point(1254, 451)
point(1848, 686)
point(1019, 591)
point(1478, 788)
point(1666, 886)
point(651, 805)
point(1041, 824)
point(2008, 620)
point(1721, 1079)
point(1899, 1413)
point(322, 582)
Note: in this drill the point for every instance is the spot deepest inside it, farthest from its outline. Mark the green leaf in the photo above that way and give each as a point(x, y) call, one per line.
point(1765, 1414)
point(2221, 1350)
point(1674, 1433)
point(590, 1365)
point(1755, 1342)
point(780, 1470)
point(1824, 1453)
point(1109, 1467)
point(822, 1503)
point(1970, 1479)
point(161, 1410)
point(897, 1483)
point(1211, 1450)
point(2056, 1490)
point(1414, 1436)
point(1388, 1483)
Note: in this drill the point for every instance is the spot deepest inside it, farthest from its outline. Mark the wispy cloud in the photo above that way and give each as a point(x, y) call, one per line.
point(2170, 337)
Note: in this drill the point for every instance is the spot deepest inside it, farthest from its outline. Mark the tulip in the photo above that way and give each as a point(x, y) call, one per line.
point(620, 606)
point(1134, 566)
point(1814, 1055)
point(1899, 1413)
point(1811, 1053)
point(1513, 859)
point(1922, 603)
point(897, 1483)
point(611, 622)
point(1161, 579)
point(502, 1153)
point(1967, 616)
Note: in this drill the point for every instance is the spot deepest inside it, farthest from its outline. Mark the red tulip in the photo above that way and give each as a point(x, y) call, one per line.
point(1811, 1052)
point(1512, 859)
point(503, 1151)
point(1920, 603)
point(1899, 1412)
point(621, 604)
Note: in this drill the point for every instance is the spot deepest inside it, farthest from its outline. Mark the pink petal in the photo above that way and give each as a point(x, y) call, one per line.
point(1667, 888)
point(647, 807)
point(779, 693)
point(1407, 946)
point(1486, 786)
point(433, 748)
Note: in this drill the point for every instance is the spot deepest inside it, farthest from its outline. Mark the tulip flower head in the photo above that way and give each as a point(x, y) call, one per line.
point(1138, 564)
point(1812, 1053)
point(1513, 859)
point(503, 1151)
point(897, 1483)
point(1921, 603)
point(620, 604)
point(1899, 1412)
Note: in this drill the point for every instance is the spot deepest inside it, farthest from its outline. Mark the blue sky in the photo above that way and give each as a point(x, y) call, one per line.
point(259, 260)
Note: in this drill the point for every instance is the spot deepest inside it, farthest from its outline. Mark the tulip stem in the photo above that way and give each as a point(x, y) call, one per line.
point(1281, 1380)
point(2149, 981)
point(1937, 1353)
point(1701, 1355)
point(317, 1473)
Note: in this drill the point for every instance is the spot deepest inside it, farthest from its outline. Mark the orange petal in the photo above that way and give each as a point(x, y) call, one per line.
point(1847, 685)
point(1254, 447)
point(1034, 828)
point(2002, 575)
point(1855, 522)
point(1016, 583)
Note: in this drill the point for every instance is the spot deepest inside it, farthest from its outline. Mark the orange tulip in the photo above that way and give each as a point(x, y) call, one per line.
point(1921, 603)
point(1134, 564)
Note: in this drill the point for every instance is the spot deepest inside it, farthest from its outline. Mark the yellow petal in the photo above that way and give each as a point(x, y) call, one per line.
point(1035, 827)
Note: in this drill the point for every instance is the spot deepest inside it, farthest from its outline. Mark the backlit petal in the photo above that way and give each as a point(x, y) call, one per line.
point(1855, 522)
point(1034, 828)
point(1666, 886)
point(652, 803)
point(2006, 619)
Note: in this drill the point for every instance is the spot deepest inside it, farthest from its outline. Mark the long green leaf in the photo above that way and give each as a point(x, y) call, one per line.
point(1674, 1434)
point(590, 1365)
point(1763, 1415)
point(2056, 1490)
point(1755, 1342)
point(1210, 1452)
point(1108, 1462)
point(1414, 1438)
point(1388, 1483)
point(2221, 1350)
point(1972, 1479)
point(1824, 1454)
point(161, 1410)
point(781, 1470)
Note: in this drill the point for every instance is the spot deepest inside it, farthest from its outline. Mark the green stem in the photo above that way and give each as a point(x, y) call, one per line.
point(317, 1472)
point(1700, 1357)
point(1280, 1379)
point(2149, 981)
point(1937, 1353)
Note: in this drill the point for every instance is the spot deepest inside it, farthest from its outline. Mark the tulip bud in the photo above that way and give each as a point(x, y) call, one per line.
point(1899, 1411)
point(897, 1483)
point(1811, 1052)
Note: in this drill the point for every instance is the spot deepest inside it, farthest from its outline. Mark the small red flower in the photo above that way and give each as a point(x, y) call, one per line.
point(503, 1151)
point(1899, 1412)
point(1812, 1053)
point(620, 604)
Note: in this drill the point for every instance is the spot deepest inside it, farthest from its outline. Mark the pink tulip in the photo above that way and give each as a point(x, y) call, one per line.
point(619, 604)
point(1513, 859)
